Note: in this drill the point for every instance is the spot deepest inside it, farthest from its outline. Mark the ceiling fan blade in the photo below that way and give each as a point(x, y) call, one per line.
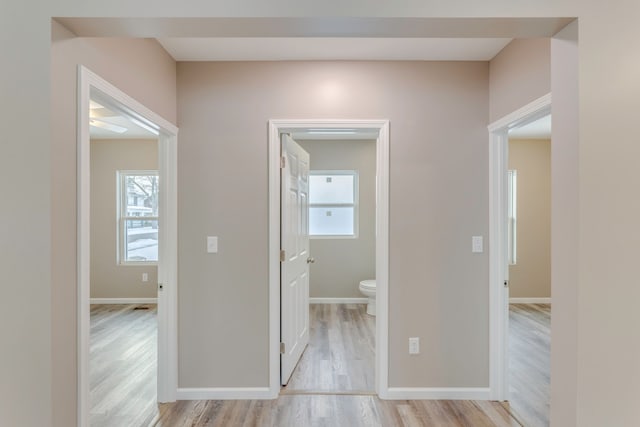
point(108, 126)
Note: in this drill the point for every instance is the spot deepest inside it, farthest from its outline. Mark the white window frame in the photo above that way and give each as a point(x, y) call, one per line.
point(512, 215)
point(356, 198)
point(121, 176)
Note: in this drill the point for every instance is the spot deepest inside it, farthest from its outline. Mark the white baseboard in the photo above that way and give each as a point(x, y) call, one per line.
point(437, 393)
point(224, 393)
point(362, 300)
point(529, 300)
point(123, 300)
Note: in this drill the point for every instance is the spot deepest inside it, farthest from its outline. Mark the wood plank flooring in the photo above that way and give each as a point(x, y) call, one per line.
point(123, 387)
point(529, 363)
point(340, 356)
point(334, 411)
point(122, 365)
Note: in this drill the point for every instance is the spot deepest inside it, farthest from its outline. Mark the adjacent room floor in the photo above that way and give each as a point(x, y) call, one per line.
point(529, 363)
point(122, 365)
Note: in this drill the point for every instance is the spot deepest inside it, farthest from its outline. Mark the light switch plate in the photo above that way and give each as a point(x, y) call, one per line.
point(212, 244)
point(477, 244)
point(414, 345)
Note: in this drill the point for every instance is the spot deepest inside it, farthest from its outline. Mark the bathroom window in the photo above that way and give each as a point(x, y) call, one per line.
point(333, 204)
point(512, 183)
point(137, 217)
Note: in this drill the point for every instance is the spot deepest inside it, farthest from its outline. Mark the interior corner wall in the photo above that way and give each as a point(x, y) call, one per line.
point(530, 277)
point(519, 74)
point(438, 194)
point(341, 263)
point(109, 278)
point(565, 233)
point(143, 70)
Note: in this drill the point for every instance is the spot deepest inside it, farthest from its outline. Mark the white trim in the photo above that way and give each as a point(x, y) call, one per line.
point(538, 108)
point(381, 127)
point(529, 300)
point(224, 393)
point(123, 301)
point(362, 300)
point(498, 261)
point(438, 393)
point(90, 85)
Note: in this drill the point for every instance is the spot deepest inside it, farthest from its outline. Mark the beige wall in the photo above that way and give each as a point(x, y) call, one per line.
point(342, 263)
point(565, 234)
point(109, 279)
point(519, 74)
point(531, 276)
point(35, 256)
point(438, 117)
point(142, 69)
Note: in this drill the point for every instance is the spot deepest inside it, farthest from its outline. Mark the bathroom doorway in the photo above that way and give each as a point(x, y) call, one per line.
point(334, 313)
point(340, 355)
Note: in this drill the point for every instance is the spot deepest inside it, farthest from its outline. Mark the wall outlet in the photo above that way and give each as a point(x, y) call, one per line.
point(145, 277)
point(414, 345)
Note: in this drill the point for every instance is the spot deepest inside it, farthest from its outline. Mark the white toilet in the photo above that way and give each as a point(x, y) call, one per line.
point(368, 288)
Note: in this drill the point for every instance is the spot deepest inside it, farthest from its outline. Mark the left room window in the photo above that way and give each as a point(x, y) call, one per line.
point(138, 217)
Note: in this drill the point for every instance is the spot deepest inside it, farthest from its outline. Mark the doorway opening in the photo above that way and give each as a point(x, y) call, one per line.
point(340, 354)
point(530, 271)
point(145, 226)
point(377, 132)
point(501, 221)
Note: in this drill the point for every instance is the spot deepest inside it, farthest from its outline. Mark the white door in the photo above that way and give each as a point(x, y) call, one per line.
point(294, 266)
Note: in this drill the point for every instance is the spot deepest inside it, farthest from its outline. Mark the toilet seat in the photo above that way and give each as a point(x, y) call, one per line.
point(368, 284)
point(368, 288)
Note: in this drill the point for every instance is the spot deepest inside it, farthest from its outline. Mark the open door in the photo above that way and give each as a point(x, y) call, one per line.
point(294, 256)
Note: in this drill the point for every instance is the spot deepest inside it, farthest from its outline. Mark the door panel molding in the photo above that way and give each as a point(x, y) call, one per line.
point(294, 268)
point(375, 127)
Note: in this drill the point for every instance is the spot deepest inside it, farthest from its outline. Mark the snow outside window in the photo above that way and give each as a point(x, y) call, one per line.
point(512, 201)
point(137, 217)
point(333, 204)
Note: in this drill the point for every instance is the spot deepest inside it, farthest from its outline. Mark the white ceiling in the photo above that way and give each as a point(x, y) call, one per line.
point(317, 38)
point(323, 38)
point(540, 129)
point(332, 48)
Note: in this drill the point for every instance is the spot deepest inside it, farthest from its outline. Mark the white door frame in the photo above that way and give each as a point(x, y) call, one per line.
point(276, 127)
point(498, 264)
point(88, 83)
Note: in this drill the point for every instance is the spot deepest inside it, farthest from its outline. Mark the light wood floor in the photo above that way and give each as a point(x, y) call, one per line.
point(334, 411)
point(340, 356)
point(123, 387)
point(122, 365)
point(529, 363)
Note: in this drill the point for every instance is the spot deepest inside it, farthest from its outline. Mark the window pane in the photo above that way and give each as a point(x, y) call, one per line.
point(331, 221)
point(331, 189)
point(141, 240)
point(512, 203)
point(142, 195)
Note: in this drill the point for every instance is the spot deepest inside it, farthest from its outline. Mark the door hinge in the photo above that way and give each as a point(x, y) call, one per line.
point(282, 348)
point(283, 162)
point(506, 283)
point(282, 255)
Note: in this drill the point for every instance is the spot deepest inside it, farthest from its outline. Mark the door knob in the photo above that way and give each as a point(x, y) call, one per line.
point(311, 260)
